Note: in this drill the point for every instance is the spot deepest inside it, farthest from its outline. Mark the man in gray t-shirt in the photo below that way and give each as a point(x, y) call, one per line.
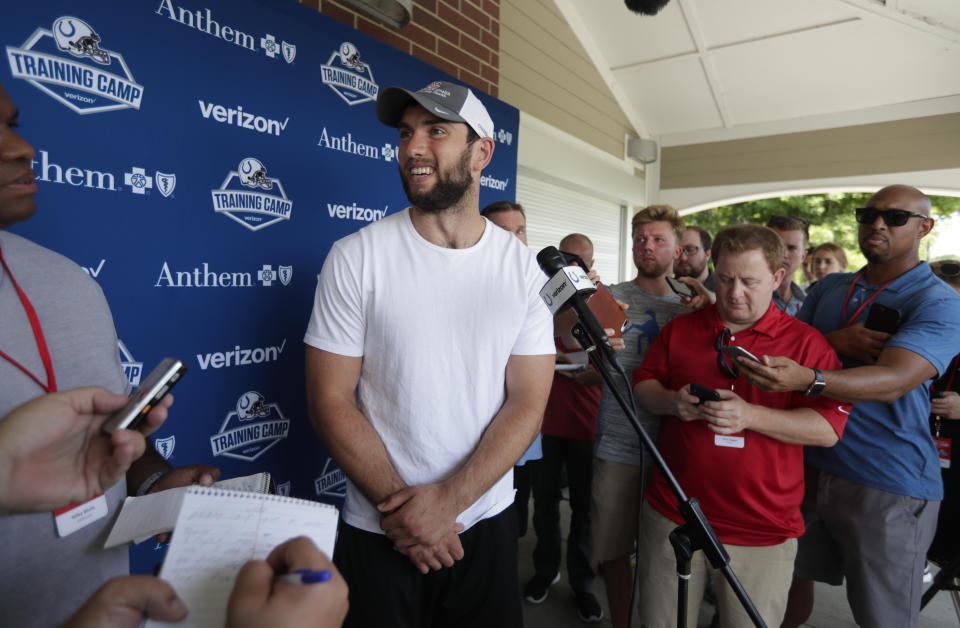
point(46, 576)
point(618, 453)
point(617, 439)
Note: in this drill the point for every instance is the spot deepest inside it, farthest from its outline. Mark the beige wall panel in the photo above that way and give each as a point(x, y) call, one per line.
point(919, 146)
point(525, 100)
point(539, 48)
point(545, 89)
point(897, 129)
point(929, 143)
point(572, 86)
point(533, 22)
point(545, 72)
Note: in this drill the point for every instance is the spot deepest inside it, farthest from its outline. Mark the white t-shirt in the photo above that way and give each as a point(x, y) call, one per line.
point(435, 327)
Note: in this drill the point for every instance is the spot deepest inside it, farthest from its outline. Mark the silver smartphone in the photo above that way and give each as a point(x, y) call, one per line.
point(734, 351)
point(149, 394)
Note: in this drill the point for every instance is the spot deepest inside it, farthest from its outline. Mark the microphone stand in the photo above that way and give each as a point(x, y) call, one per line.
point(696, 532)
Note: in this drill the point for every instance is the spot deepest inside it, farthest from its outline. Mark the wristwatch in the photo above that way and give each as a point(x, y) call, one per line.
point(818, 384)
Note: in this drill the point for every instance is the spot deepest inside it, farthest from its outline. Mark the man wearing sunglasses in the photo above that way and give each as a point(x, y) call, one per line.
point(879, 489)
point(741, 456)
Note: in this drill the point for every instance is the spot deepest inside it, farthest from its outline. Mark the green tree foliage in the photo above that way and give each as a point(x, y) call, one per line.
point(830, 217)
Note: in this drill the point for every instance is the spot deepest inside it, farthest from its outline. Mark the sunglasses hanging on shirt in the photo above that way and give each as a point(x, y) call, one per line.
point(726, 365)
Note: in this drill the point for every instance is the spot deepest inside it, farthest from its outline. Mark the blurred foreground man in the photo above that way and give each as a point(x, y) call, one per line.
point(57, 333)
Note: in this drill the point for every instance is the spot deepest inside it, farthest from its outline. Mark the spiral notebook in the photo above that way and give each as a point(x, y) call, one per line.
point(143, 517)
point(217, 531)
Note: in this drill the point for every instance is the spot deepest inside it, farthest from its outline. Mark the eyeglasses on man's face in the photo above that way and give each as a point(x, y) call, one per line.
point(690, 250)
point(890, 217)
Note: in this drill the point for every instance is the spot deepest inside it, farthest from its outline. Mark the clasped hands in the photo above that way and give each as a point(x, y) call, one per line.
point(422, 523)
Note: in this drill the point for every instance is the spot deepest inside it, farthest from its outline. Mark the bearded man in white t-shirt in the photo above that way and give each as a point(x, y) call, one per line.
point(429, 363)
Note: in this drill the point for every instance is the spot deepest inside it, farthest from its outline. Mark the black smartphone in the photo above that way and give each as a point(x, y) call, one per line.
point(151, 391)
point(882, 318)
point(680, 288)
point(936, 394)
point(703, 393)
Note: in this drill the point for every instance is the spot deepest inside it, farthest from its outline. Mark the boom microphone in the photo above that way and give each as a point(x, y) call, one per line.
point(646, 7)
point(569, 286)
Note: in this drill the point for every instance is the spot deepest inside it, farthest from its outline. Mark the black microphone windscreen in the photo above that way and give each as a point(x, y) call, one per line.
point(550, 260)
point(646, 7)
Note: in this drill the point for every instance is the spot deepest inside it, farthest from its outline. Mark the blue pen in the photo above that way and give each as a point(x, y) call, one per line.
point(305, 576)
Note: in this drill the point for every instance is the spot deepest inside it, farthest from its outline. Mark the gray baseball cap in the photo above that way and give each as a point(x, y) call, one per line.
point(448, 100)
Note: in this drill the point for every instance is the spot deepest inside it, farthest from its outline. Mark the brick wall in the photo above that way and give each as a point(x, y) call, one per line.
point(461, 37)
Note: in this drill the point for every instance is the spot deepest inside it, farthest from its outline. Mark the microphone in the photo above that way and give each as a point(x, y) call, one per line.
point(568, 287)
point(646, 7)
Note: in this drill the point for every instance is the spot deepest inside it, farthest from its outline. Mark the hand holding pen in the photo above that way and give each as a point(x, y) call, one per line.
point(296, 586)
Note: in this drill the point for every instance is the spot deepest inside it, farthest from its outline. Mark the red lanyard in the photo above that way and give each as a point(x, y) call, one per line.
point(51, 385)
point(843, 314)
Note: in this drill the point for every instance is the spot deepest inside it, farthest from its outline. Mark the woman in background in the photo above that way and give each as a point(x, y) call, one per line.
point(828, 258)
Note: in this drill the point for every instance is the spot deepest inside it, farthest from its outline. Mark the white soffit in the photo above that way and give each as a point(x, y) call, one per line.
point(710, 70)
point(865, 70)
point(671, 96)
point(625, 38)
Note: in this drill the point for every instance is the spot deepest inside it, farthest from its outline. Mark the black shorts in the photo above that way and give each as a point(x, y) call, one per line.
point(479, 590)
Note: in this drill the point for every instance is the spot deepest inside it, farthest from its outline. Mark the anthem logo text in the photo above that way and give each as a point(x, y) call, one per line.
point(346, 144)
point(205, 277)
point(135, 180)
point(203, 21)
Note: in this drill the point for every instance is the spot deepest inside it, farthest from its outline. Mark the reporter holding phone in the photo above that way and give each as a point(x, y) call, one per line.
point(740, 454)
point(880, 488)
point(53, 452)
point(57, 334)
point(619, 463)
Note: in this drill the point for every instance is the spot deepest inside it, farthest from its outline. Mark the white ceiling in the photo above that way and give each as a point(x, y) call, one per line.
point(709, 70)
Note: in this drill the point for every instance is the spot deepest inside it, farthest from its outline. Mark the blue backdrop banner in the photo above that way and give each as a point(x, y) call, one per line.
point(198, 160)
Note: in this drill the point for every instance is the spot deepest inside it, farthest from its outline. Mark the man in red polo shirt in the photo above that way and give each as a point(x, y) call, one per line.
point(742, 456)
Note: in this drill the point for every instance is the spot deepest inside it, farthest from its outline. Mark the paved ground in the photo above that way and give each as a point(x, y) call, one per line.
point(831, 610)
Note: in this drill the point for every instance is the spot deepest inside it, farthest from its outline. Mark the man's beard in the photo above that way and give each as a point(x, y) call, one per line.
point(687, 269)
point(447, 191)
point(658, 270)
